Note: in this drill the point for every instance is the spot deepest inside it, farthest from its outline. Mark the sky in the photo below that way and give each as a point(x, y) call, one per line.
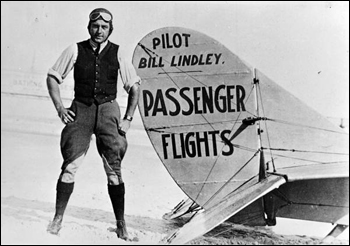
point(302, 46)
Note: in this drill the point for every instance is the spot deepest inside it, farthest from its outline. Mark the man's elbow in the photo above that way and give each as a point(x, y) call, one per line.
point(51, 79)
point(135, 89)
point(51, 83)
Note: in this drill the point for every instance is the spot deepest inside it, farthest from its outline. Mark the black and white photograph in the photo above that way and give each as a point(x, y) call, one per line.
point(173, 123)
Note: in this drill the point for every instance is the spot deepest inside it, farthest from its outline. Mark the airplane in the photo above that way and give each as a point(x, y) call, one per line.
point(242, 148)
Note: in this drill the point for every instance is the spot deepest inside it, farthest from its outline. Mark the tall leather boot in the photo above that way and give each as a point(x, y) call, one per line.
point(116, 193)
point(64, 190)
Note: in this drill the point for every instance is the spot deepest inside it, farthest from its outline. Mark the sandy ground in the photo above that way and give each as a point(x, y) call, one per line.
point(30, 165)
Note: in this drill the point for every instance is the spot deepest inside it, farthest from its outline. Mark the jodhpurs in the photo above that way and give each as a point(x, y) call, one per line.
point(103, 121)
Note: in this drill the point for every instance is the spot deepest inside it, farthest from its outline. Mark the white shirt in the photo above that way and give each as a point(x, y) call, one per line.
point(66, 61)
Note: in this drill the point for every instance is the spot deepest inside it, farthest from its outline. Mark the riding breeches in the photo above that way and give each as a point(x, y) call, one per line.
point(103, 121)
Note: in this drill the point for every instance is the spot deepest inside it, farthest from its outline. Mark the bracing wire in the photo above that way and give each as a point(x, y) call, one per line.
point(229, 180)
point(212, 168)
point(306, 126)
point(306, 151)
point(267, 132)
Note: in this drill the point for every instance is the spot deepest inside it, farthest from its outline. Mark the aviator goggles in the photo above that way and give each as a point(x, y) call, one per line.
point(105, 16)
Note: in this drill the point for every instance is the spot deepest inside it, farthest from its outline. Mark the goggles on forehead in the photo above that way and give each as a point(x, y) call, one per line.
point(105, 16)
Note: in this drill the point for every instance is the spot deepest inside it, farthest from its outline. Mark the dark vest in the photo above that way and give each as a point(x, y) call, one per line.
point(95, 77)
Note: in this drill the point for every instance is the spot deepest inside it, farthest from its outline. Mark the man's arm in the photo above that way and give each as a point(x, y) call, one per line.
point(133, 99)
point(65, 115)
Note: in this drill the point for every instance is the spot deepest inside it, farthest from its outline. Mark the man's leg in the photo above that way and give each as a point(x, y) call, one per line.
point(112, 147)
point(75, 141)
point(117, 194)
point(64, 190)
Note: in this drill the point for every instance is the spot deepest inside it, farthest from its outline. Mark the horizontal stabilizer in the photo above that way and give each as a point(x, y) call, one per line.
point(220, 212)
point(315, 171)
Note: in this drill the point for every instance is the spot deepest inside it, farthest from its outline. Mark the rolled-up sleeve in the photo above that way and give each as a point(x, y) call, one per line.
point(64, 63)
point(127, 72)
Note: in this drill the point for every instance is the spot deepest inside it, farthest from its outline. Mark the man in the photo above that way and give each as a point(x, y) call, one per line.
point(97, 63)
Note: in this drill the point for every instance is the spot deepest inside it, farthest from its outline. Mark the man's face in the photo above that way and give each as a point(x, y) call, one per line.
point(99, 31)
